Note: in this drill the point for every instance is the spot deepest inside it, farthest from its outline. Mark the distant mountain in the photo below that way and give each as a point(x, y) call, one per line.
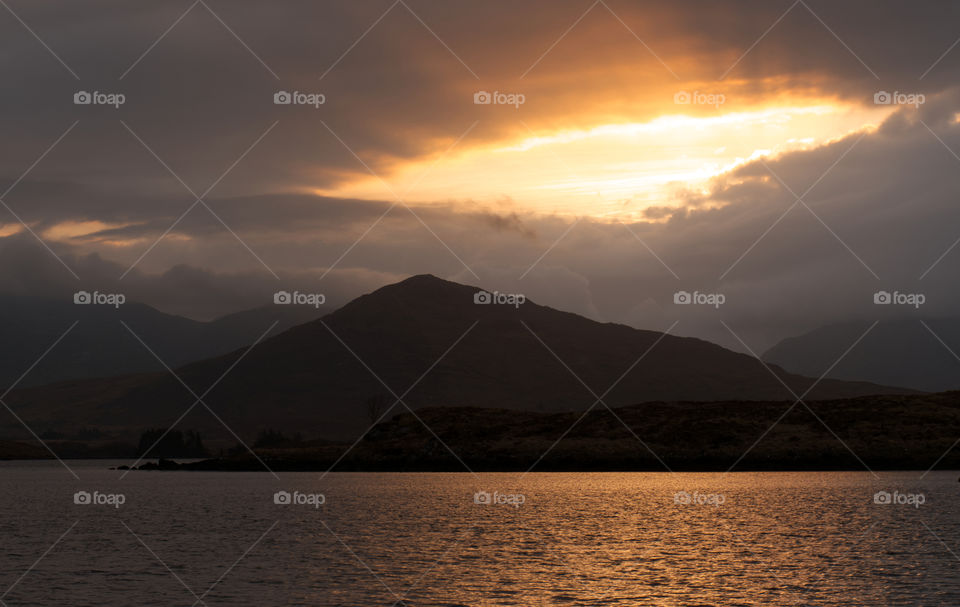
point(100, 346)
point(898, 353)
point(317, 378)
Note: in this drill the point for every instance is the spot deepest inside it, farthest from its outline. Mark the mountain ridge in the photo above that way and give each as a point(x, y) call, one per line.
point(427, 339)
point(900, 352)
point(97, 345)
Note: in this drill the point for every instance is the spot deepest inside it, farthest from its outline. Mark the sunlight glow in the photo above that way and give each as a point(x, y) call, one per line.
point(9, 229)
point(617, 170)
point(68, 230)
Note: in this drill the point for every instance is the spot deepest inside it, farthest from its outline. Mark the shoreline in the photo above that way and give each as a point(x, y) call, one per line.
point(218, 465)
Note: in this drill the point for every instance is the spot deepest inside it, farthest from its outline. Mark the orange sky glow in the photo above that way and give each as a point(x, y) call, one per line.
point(615, 170)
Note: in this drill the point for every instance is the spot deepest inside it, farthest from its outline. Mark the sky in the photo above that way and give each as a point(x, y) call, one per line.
point(794, 157)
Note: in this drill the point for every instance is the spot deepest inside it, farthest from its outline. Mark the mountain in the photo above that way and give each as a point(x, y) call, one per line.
point(900, 353)
point(100, 346)
point(428, 336)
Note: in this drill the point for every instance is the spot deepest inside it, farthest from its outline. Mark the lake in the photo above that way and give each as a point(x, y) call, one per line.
point(613, 539)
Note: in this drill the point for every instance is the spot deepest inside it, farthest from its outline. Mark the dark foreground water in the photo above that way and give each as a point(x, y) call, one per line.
point(191, 538)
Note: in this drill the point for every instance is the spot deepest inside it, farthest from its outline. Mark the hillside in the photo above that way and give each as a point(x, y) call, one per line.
point(316, 378)
point(100, 346)
point(879, 433)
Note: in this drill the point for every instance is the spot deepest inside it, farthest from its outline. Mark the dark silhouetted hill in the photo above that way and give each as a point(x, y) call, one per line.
point(425, 335)
point(906, 432)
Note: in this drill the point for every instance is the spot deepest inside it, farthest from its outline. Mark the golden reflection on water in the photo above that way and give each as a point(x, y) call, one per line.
point(636, 539)
point(613, 539)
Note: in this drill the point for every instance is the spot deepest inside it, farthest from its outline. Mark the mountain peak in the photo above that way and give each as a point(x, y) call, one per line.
point(421, 289)
point(436, 340)
point(427, 281)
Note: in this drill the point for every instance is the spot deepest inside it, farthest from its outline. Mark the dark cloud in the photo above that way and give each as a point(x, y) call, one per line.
point(200, 99)
point(891, 202)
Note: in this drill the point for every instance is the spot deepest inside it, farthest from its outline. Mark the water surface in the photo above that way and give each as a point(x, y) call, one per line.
point(615, 539)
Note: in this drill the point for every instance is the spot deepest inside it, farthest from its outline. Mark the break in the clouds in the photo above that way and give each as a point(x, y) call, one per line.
point(308, 195)
point(404, 91)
